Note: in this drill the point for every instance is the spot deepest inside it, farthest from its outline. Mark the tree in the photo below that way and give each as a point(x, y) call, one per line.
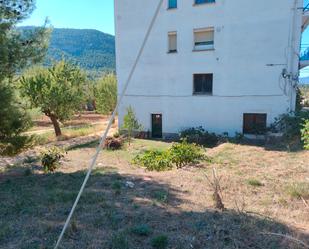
point(14, 120)
point(130, 123)
point(57, 91)
point(106, 94)
point(18, 50)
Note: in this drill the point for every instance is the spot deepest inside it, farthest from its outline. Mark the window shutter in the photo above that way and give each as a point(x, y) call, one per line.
point(204, 36)
point(172, 42)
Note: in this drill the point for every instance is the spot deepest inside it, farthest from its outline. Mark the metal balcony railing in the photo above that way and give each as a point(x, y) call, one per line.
point(304, 56)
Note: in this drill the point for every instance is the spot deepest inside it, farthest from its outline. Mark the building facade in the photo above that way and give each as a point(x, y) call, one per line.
point(228, 66)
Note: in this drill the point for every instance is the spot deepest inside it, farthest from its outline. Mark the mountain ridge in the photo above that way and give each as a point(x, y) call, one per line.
point(91, 49)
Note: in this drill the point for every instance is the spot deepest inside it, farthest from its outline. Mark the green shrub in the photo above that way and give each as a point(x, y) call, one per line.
point(154, 160)
point(15, 145)
point(179, 154)
point(200, 136)
point(291, 125)
point(51, 159)
point(305, 134)
point(160, 242)
point(255, 183)
point(184, 153)
point(141, 230)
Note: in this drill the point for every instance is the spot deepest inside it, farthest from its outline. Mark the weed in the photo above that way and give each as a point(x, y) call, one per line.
point(299, 190)
point(141, 230)
point(160, 242)
point(217, 190)
point(255, 183)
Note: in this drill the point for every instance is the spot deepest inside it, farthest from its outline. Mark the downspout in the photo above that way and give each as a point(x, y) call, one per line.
point(293, 76)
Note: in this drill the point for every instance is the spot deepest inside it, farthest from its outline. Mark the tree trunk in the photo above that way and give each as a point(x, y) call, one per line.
point(56, 125)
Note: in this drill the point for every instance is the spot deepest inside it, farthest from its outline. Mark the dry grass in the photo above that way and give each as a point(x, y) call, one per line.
point(175, 205)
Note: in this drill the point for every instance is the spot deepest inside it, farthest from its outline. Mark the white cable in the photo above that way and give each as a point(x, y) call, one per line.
point(102, 141)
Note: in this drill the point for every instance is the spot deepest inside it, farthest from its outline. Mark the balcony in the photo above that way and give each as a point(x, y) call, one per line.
point(304, 59)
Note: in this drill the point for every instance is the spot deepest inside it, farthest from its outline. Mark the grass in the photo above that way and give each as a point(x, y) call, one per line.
point(34, 205)
point(299, 190)
point(69, 133)
point(160, 242)
point(255, 183)
point(141, 230)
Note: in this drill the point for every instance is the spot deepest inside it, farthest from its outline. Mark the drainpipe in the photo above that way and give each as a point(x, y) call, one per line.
point(293, 75)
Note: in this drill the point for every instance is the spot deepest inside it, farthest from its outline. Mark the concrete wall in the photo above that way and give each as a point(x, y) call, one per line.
point(248, 37)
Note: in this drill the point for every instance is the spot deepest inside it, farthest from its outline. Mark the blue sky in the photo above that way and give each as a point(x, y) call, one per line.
point(92, 14)
point(88, 14)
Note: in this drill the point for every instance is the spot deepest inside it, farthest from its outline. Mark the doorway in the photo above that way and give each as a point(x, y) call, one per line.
point(156, 125)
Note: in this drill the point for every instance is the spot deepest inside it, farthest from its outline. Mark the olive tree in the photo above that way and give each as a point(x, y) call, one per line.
point(58, 91)
point(106, 94)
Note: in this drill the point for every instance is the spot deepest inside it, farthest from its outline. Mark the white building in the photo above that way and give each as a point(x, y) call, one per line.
point(227, 65)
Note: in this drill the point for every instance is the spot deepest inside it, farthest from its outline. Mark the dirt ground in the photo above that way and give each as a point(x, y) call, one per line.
point(85, 118)
point(125, 206)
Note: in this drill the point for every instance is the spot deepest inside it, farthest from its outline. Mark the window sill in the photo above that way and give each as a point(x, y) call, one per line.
point(172, 8)
point(172, 52)
point(203, 50)
point(203, 94)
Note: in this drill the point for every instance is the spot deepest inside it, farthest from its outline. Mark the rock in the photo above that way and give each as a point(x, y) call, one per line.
point(129, 184)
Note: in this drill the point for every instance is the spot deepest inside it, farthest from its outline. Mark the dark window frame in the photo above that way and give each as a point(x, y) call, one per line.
point(254, 123)
point(205, 89)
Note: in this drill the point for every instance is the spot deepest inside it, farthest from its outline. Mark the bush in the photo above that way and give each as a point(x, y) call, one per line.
point(154, 160)
point(159, 242)
point(182, 154)
point(291, 125)
point(200, 136)
point(51, 159)
point(255, 183)
point(305, 134)
point(179, 154)
point(17, 144)
point(113, 143)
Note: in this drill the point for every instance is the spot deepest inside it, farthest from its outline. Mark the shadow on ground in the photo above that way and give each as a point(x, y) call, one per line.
point(111, 215)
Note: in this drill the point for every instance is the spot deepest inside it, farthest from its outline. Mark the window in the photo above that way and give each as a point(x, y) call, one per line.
point(172, 42)
point(204, 1)
point(172, 4)
point(203, 39)
point(202, 84)
point(254, 123)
